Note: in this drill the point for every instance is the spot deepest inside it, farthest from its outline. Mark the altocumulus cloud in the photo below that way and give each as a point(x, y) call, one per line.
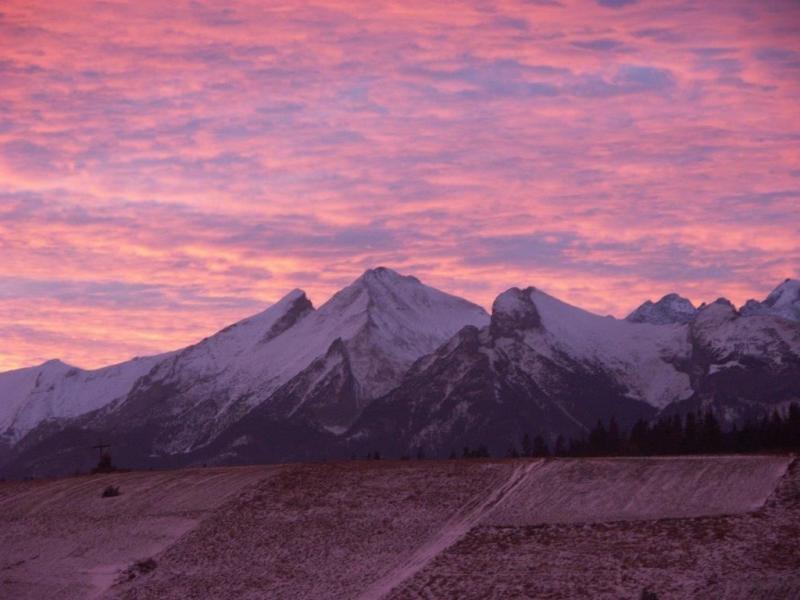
point(182, 165)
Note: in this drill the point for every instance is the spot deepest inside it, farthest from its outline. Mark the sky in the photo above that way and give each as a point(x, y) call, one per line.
point(168, 168)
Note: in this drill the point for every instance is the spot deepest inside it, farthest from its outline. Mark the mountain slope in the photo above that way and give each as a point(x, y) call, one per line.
point(55, 390)
point(390, 364)
point(741, 366)
point(288, 357)
point(543, 366)
point(370, 332)
point(291, 362)
point(783, 301)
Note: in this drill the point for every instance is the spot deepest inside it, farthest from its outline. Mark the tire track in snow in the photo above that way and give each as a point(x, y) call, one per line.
point(453, 530)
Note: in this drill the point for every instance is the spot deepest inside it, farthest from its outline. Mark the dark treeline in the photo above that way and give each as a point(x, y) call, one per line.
point(694, 433)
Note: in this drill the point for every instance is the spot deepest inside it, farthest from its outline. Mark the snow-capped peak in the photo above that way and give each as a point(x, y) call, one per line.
point(783, 301)
point(400, 303)
point(513, 311)
point(786, 293)
point(716, 313)
point(634, 351)
point(55, 389)
point(385, 275)
point(672, 308)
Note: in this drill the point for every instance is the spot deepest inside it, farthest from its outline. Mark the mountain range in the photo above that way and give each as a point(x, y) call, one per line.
point(389, 364)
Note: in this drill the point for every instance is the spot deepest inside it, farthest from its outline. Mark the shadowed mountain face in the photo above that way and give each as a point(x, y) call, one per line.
point(393, 365)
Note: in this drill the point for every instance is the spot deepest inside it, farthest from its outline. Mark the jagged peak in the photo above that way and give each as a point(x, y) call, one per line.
point(285, 302)
point(751, 307)
point(672, 296)
point(382, 289)
point(380, 279)
point(385, 274)
point(721, 309)
point(786, 293)
point(514, 311)
point(54, 365)
point(295, 305)
point(783, 301)
point(290, 299)
point(721, 301)
point(671, 308)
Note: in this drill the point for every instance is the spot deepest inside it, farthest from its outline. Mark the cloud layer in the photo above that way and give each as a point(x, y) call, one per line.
point(166, 169)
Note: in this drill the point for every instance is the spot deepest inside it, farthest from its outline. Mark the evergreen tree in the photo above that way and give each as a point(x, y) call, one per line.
point(598, 439)
point(793, 426)
point(527, 447)
point(690, 433)
point(712, 433)
point(639, 440)
point(614, 442)
point(540, 448)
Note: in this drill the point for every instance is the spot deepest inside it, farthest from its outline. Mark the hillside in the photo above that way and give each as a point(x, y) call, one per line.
point(374, 529)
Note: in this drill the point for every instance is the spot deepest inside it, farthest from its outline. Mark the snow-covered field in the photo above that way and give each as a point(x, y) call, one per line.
point(691, 527)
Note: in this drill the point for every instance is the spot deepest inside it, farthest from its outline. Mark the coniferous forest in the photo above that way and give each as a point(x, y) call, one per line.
point(692, 433)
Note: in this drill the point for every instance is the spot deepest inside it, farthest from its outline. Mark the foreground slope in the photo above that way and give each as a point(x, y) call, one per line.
point(60, 540)
point(752, 556)
point(376, 529)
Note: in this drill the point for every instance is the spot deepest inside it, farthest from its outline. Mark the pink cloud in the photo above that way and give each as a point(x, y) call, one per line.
point(166, 169)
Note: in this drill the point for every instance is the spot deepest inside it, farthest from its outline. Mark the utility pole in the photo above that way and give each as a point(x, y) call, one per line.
point(104, 464)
